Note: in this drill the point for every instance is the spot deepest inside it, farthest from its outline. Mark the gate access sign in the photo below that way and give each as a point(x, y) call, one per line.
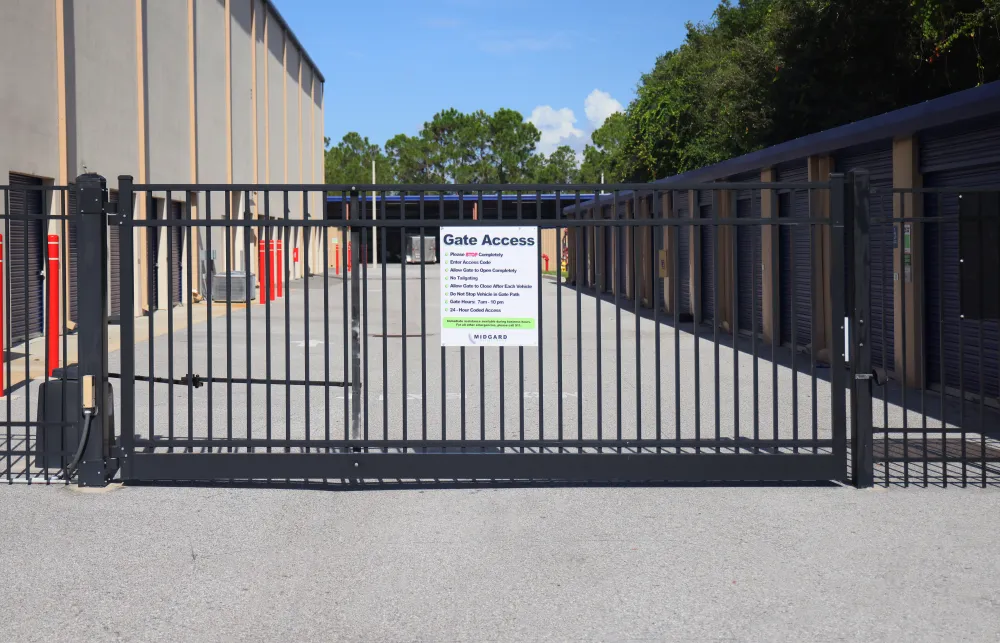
point(489, 286)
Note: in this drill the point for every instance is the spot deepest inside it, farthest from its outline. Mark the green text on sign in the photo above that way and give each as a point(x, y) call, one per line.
point(488, 323)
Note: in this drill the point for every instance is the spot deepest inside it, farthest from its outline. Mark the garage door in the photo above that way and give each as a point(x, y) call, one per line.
point(683, 211)
point(25, 262)
point(877, 159)
point(707, 259)
point(71, 210)
point(749, 264)
point(177, 254)
point(795, 260)
point(961, 353)
point(114, 269)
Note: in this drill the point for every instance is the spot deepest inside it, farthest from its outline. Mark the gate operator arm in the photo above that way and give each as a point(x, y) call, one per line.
point(88, 399)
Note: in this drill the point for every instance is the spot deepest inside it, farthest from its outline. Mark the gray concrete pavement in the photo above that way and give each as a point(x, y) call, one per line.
point(625, 564)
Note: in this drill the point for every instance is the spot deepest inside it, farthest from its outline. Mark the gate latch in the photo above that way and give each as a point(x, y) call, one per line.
point(878, 375)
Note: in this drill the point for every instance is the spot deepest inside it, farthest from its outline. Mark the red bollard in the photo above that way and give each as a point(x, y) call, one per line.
point(270, 269)
point(52, 279)
point(262, 271)
point(279, 264)
point(336, 258)
point(348, 257)
point(3, 335)
point(546, 258)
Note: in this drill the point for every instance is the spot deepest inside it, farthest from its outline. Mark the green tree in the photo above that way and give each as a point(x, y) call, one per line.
point(598, 157)
point(350, 161)
point(559, 168)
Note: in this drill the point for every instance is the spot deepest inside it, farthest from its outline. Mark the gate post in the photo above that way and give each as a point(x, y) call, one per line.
point(352, 265)
point(92, 285)
point(860, 355)
point(839, 200)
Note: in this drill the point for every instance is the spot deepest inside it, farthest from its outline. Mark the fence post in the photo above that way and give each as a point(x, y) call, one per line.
point(862, 439)
point(352, 266)
point(92, 285)
point(126, 267)
point(839, 195)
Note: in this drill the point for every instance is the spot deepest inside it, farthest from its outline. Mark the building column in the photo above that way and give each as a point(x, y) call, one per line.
point(908, 262)
point(770, 272)
point(819, 168)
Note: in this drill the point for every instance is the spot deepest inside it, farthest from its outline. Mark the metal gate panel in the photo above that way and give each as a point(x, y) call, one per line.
point(877, 159)
point(954, 347)
point(795, 259)
point(25, 260)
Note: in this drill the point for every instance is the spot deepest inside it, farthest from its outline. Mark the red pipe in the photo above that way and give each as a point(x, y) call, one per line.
point(270, 269)
point(279, 265)
point(348, 256)
point(546, 258)
point(336, 257)
point(52, 277)
point(262, 272)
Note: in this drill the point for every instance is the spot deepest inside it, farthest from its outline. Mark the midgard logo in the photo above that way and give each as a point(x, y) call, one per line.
point(475, 338)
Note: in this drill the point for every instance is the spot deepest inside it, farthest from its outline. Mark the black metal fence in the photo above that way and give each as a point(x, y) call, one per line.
point(281, 333)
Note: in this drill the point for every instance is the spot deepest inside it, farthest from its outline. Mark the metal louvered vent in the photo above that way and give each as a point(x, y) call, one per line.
point(233, 287)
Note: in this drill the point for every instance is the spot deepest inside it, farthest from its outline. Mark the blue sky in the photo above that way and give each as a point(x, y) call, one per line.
point(392, 64)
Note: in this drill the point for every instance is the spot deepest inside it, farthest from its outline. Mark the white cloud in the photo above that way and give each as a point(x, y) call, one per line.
point(559, 126)
point(599, 106)
point(556, 125)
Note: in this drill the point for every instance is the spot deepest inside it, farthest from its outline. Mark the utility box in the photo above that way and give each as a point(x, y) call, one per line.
point(415, 253)
point(59, 419)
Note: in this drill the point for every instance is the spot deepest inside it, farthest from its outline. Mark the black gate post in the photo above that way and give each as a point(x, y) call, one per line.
point(92, 286)
point(862, 439)
point(839, 193)
point(126, 267)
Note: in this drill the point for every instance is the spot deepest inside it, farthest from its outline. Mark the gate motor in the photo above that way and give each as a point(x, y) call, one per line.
point(62, 438)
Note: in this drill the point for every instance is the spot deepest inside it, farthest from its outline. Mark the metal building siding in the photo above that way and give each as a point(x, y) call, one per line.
point(960, 146)
point(795, 258)
point(114, 269)
point(948, 337)
point(749, 266)
point(25, 261)
point(877, 159)
point(707, 264)
point(177, 254)
point(684, 250)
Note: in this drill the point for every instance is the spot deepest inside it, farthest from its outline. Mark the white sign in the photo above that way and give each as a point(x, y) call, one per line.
point(489, 286)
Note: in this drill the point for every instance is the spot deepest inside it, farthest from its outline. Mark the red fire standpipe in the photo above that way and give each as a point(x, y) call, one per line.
point(262, 271)
point(52, 280)
point(279, 265)
point(270, 269)
point(336, 257)
point(546, 259)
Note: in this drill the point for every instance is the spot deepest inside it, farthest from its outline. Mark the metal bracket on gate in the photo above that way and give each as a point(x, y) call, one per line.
point(878, 375)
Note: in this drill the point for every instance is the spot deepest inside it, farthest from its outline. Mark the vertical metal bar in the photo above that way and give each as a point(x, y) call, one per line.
point(423, 329)
point(356, 334)
point(890, 227)
point(980, 216)
point(861, 400)
point(598, 295)
point(287, 238)
point(168, 216)
point(444, 354)
point(657, 233)
point(346, 210)
point(837, 289)
point(229, 319)
point(944, 382)
point(92, 284)
point(757, 252)
point(638, 240)
point(402, 281)
point(265, 236)
point(675, 277)
point(961, 369)
point(364, 313)
point(326, 321)
point(716, 230)
point(793, 233)
point(735, 314)
point(814, 286)
point(247, 249)
point(619, 263)
point(6, 328)
point(923, 378)
point(541, 335)
point(482, 360)
point(559, 336)
point(127, 330)
point(26, 308)
point(694, 210)
point(902, 381)
point(306, 242)
point(209, 303)
point(190, 229)
point(503, 397)
point(775, 232)
point(383, 242)
point(520, 358)
point(461, 350)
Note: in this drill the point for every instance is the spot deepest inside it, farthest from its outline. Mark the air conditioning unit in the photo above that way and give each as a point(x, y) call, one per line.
point(241, 287)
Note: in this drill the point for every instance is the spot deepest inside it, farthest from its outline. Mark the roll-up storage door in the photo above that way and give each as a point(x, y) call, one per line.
point(707, 236)
point(25, 260)
point(681, 201)
point(960, 353)
point(72, 211)
point(877, 159)
point(795, 258)
point(114, 269)
point(177, 254)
